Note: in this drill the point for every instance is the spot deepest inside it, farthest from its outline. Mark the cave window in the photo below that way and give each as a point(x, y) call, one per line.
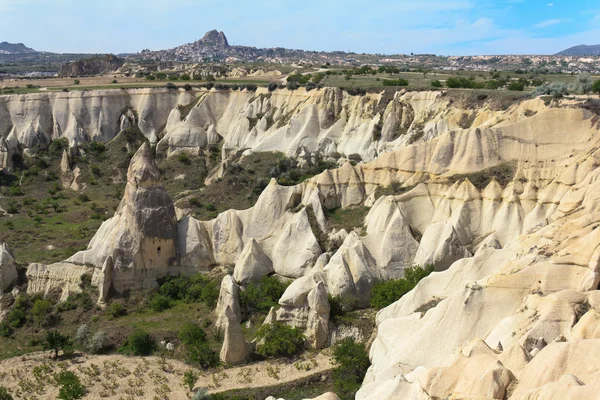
point(158, 250)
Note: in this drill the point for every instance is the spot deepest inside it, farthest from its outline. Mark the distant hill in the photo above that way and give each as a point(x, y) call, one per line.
point(95, 65)
point(15, 48)
point(581, 50)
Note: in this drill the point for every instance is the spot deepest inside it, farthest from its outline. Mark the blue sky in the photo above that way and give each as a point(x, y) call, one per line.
point(448, 27)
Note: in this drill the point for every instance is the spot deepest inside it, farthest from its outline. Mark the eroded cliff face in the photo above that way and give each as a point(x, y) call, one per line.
point(517, 258)
point(326, 122)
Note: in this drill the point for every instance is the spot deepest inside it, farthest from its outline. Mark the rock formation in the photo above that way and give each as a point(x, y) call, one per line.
point(506, 209)
point(229, 298)
point(235, 349)
point(8, 268)
point(142, 237)
point(252, 265)
point(96, 65)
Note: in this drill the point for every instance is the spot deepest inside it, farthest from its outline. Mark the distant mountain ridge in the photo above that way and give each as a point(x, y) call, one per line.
point(15, 48)
point(581, 50)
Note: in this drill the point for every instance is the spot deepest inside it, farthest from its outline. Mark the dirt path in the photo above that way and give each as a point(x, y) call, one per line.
point(120, 377)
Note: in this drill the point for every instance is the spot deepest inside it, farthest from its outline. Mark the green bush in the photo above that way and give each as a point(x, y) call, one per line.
point(16, 318)
point(15, 190)
point(385, 293)
point(139, 343)
point(57, 146)
point(352, 362)
point(41, 311)
point(98, 343)
point(190, 289)
point(189, 379)
point(279, 340)
point(262, 296)
point(596, 87)
point(516, 86)
point(436, 83)
point(197, 348)
point(5, 330)
point(184, 158)
point(116, 309)
point(203, 355)
point(4, 394)
point(191, 334)
point(395, 82)
point(184, 77)
point(160, 303)
point(70, 385)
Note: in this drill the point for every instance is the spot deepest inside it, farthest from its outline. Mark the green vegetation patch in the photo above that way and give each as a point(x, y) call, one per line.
point(385, 293)
point(503, 173)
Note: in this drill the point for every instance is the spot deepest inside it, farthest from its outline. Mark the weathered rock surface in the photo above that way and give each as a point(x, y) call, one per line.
point(229, 298)
point(8, 268)
point(96, 65)
point(517, 256)
point(235, 349)
point(252, 265)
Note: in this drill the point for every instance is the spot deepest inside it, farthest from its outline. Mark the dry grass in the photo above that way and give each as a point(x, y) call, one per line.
point(116, 376)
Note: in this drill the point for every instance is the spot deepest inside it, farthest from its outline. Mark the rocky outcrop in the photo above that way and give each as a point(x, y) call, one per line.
point(252, 265)
point(305, 306)
point(326, 122)
point(235, 350)
point(133, 248)
point(229, 298)
point(64, 277)
point(97, 65)
point(8, 268)
point(142, 237)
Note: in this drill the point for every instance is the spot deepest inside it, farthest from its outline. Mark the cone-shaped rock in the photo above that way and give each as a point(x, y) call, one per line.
point(142, 236)
point(252, 265)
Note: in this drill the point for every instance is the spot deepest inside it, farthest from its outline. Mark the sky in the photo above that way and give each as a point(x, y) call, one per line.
point(445, 27)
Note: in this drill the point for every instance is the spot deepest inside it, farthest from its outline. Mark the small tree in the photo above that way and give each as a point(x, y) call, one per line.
point(583, 83)
point(76, 82)
point(56, 342)
point(272, 86)
point(436, 83)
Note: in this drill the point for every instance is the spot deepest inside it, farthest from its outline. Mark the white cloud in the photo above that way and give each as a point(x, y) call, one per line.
point(548, 22)
point(550, 4)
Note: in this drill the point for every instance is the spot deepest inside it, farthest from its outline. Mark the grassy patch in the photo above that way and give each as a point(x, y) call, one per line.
point(347, 218)
point(504, 174)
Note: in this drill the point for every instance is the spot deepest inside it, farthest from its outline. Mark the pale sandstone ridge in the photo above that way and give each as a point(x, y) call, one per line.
point(326, 122)
point(517, 260)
